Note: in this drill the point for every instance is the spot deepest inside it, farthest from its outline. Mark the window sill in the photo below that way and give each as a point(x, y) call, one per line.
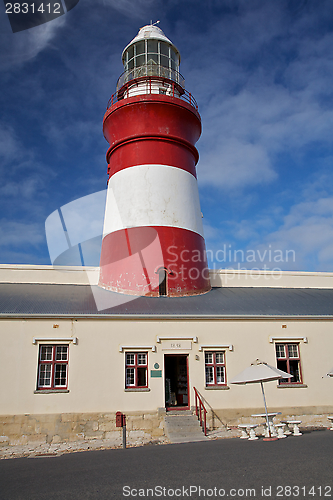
point(217, 387)
point(291, 386)
point(137, 389)
point(51, 391)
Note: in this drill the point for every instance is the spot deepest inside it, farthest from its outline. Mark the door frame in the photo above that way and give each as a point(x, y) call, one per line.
point(178, 408)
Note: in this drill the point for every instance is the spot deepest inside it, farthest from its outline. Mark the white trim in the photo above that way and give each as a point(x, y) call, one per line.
point(35, 340)
point(287, 339)
point(142, 347)
point(194, 339)
point(224, 346)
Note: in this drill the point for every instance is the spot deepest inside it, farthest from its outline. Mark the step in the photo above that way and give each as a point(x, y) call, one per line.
point(183, 427)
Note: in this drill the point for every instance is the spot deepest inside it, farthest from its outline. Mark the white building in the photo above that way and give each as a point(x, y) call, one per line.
point(67, 367)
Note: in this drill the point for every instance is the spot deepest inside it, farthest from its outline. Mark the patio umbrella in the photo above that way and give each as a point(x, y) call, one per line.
point(259, 371)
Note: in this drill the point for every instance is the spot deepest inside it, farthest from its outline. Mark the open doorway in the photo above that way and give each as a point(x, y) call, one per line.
point(176, 382)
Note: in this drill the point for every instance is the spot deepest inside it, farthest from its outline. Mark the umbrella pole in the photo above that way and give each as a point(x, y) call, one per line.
point(263, 393)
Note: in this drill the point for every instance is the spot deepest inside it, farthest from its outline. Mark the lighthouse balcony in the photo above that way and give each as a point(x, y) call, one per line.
point(149, 70)
point(151, 80)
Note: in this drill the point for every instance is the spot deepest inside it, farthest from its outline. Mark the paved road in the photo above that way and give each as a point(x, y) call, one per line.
point(230, 468)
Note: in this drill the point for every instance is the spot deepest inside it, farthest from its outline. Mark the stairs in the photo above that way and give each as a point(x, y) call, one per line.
point(183, 427)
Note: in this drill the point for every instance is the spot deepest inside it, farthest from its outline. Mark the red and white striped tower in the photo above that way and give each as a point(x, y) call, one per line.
point(153, 241)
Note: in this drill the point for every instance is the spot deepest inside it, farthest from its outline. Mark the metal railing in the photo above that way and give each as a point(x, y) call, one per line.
point(150, 70)
point(200, 411)
point(172, 89)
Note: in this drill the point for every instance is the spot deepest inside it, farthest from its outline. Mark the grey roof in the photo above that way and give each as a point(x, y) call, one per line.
point(56, 300)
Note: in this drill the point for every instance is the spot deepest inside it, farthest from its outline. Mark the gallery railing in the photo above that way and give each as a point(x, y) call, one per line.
point(146, 84)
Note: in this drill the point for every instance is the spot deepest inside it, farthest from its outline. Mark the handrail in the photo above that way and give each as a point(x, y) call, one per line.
point(199, 410)
point(174, 90)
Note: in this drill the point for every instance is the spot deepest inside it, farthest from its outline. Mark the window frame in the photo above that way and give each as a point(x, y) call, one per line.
point(136, 366)
point(54, 364)
point(215, 365)
point(172, 56)
point(287, 358)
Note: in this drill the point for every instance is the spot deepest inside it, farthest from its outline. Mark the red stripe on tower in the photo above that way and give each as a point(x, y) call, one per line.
point(153, 241)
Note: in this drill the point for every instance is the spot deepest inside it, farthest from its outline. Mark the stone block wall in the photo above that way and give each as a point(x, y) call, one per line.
point(313, 416)
point(73, 427)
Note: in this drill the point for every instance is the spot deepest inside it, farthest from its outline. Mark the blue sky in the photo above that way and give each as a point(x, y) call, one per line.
point(261, 72)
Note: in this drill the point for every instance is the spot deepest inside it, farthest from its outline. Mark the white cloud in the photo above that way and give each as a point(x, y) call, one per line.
point(9, 144)
point(235, 164)
point(25, 45)
point(130, 8)
point(256, 104)
point(308, 229)
point(20, 234)
point(298, 238)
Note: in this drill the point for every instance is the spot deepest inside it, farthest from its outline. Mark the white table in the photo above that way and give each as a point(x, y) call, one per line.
point(331, 420)
point(294, 425)
point(248, 431)
point(271, 415)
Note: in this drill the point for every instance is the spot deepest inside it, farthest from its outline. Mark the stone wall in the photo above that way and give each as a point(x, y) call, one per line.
point(142, 428)
point(311, 416)
point(70, 427)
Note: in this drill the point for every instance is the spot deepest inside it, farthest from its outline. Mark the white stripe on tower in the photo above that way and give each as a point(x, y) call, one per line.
point(152, 195)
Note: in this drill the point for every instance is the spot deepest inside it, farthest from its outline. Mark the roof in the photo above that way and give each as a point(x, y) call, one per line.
point(152, 32)
point(56, 300)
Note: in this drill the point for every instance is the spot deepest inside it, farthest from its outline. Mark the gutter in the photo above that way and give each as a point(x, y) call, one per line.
point(182, 317)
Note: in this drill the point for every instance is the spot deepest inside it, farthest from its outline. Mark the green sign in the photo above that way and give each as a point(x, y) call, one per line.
point(156, 373)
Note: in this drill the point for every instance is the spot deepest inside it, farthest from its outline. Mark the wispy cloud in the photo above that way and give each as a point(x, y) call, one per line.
point(13, 233)
point(9, 143)
point(305, 230)
point(130, 8)
point(261, 73)
point(263, 82)
point(18, 48)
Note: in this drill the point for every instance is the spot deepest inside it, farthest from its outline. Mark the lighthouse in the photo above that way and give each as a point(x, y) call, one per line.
point(153, 242)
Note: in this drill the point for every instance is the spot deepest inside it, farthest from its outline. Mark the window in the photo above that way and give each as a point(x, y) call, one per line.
point(52, 367)
point(215, 368)
point(136, 369)
point(288, 360)
point(151, 57)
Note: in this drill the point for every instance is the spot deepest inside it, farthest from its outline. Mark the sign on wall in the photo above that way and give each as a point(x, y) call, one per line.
point(176, 345)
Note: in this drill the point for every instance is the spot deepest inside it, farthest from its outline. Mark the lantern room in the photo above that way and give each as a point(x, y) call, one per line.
point(151, 54)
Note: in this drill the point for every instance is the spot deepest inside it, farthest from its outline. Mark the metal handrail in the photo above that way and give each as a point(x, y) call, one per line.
point(150, 70)
point(199, 410)
point(174, 90)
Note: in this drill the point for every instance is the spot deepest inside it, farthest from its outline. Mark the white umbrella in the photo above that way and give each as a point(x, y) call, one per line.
point(259, 371)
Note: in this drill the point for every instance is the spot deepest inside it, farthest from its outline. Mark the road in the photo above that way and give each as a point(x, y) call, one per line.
point(296, 467)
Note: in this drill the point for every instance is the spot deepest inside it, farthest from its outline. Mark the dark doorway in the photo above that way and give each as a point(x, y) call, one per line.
point(162, 274)
point(176, 382)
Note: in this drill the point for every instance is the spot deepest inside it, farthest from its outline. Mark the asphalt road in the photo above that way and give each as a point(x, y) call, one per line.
point(296, 467)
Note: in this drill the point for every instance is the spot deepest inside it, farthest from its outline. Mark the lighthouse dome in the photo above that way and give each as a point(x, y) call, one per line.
point(150, 31)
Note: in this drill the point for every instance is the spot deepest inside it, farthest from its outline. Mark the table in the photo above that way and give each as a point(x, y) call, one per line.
point(331, 420)
point(248, 431)
point(294, 424)
point(271, 415)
